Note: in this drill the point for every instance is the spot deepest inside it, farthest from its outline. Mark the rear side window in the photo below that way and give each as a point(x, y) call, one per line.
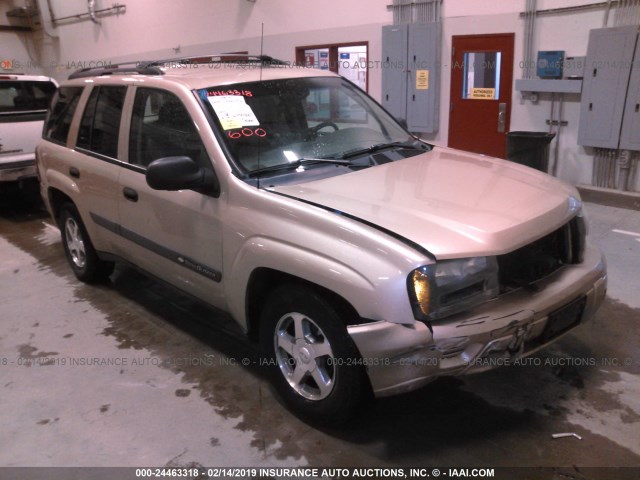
point(100, 123)
point(25, 96)
point(62, 109)
point(162, 127)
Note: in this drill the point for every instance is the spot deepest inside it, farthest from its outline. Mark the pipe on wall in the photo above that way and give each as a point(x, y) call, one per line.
point(46, 15)
point(607, 10)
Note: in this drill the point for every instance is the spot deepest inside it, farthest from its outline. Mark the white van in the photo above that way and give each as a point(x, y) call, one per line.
point(24, 100)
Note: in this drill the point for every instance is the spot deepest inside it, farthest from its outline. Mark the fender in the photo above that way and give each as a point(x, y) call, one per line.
point(372, 301)
point(58, 181)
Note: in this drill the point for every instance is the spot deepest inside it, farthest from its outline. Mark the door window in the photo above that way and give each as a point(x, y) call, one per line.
point(162, 127)
point(62, 110)
point(481, 79)
point(100, 125)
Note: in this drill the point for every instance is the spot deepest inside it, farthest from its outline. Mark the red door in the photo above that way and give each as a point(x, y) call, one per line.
point(481, 86)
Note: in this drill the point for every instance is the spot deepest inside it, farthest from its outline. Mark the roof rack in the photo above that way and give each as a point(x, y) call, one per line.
point(130, 67)
point(152, 67)
point(217, 58)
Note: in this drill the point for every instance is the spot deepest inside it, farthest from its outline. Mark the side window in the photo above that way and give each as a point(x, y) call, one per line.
point(162, 127)
point(63, 107)
point(101, 121)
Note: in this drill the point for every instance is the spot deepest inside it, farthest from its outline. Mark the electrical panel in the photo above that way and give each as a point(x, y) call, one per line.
point(630, 138)
point(394, 69)
point(573, 67)
point(411, 74)
point(606, 81)
point(550, 63)
point(423, 93)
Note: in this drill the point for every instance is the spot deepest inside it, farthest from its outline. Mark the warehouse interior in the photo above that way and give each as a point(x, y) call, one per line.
point(65, 38)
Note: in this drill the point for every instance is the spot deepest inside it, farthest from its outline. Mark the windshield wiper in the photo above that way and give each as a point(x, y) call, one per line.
point(299, 162)
point(382, 146)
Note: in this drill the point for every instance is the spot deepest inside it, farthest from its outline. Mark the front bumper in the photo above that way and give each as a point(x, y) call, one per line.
point(17, 170)
point(402, 357)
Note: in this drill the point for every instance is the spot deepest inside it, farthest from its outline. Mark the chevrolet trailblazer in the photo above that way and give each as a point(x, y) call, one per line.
point(364, 260)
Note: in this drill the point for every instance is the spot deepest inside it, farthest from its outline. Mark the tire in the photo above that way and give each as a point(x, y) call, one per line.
point(312, 359)
point(79, 250)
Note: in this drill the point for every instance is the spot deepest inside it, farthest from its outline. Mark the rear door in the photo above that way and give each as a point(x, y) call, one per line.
point(94, 164)
point(176, 236)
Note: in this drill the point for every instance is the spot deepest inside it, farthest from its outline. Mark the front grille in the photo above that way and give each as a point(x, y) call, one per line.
point(533, 262)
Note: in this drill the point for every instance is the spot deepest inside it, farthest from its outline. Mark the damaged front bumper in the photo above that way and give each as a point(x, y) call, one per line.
point(401, 357)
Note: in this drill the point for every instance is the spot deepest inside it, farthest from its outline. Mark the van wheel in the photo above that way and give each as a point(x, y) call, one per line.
point(313, 361)
point(78, 248)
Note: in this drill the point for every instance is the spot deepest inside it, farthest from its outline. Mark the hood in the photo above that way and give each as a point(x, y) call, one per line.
point(452, 203)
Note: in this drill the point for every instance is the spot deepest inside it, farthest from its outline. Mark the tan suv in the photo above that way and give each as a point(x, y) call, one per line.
point(363, 259)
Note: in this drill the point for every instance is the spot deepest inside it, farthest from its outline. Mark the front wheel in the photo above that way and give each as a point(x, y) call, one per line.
point(78, 248)
point(313, 360)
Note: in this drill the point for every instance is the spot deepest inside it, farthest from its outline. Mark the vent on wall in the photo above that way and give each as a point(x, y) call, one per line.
point(415, 11)
point(627, 13)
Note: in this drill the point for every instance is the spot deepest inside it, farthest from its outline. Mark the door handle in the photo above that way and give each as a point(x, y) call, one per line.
point(130, 194)
point(502, 117)
point(74, 172)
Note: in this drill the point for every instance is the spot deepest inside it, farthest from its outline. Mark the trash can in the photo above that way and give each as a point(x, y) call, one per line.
point(530, 149)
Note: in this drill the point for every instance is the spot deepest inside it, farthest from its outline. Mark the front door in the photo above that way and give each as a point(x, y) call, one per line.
point(173, 235)
point(481, 86)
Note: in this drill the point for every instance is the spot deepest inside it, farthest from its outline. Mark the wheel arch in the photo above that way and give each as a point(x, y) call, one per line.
point(263, 281)
point(57, 199)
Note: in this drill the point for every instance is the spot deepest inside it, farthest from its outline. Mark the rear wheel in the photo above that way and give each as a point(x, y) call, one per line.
point(78, 248)
point(314, 363)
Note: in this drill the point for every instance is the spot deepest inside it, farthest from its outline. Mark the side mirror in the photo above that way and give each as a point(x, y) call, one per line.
point(181, 173)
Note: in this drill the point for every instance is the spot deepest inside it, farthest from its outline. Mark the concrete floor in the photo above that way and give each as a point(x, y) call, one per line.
point(132, 374)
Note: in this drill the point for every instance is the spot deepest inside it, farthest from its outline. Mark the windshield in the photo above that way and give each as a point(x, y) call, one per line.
point(271, 125)
point(25, 96)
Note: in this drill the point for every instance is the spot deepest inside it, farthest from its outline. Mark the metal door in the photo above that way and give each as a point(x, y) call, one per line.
point(481, 86)
point(173, 235)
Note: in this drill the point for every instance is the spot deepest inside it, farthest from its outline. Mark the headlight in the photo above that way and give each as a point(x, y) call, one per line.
point(420, 290)
point(451, 286)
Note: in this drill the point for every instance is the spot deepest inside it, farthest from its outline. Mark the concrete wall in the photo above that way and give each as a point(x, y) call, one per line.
point(165, 28)
point(568, 32)
point(18, 50)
